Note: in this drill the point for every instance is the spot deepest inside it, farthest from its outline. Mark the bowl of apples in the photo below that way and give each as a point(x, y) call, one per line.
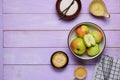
point(86, 40)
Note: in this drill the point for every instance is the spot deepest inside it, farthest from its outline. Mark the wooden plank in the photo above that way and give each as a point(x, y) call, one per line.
point(1, 53)
point(52, 22)
point(49, 38)
point(43, 6)
point(1, 42)
point(42, 72)
point(35, 39)
point(43, 55)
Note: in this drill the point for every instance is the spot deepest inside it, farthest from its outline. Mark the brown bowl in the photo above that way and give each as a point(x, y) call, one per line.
point(91, 26)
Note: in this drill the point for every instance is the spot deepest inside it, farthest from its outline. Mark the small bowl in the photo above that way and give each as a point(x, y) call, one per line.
point(64, 16)
point(78, 71)
point(56, 54)
point(91, 26)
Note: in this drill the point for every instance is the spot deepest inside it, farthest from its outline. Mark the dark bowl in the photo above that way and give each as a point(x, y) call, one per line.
point(64, 55)
point(68, 17)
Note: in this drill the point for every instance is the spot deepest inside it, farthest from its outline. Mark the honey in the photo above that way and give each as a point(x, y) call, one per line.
point(80, 72)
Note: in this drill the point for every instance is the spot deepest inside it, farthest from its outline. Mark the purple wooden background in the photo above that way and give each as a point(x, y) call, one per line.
point(32, 31)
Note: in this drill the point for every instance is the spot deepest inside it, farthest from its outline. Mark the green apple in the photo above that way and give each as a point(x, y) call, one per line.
point(78, 46)
point(97, 36)
point(89, 40)
point(82, 30)
point(93, 51)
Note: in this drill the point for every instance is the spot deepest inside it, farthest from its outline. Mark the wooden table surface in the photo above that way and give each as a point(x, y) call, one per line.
point(32, 31)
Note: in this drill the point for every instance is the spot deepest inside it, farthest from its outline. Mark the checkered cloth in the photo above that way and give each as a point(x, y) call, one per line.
point(107, 69)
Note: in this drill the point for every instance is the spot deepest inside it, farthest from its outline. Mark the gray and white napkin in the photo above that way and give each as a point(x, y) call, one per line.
point(107, 69)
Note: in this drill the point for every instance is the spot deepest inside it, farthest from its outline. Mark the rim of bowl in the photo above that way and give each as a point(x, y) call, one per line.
point(75, 28)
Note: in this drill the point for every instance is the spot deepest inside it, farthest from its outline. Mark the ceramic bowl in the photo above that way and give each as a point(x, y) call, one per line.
point(91, 26)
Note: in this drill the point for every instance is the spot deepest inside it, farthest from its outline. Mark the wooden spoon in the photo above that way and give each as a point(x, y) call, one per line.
point(98, 8)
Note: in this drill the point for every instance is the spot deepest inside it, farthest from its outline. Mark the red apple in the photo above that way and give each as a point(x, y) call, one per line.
point(78, 46)
point(82, 30)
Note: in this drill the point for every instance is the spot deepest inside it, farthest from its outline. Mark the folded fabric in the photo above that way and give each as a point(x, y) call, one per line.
point(107, 69)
